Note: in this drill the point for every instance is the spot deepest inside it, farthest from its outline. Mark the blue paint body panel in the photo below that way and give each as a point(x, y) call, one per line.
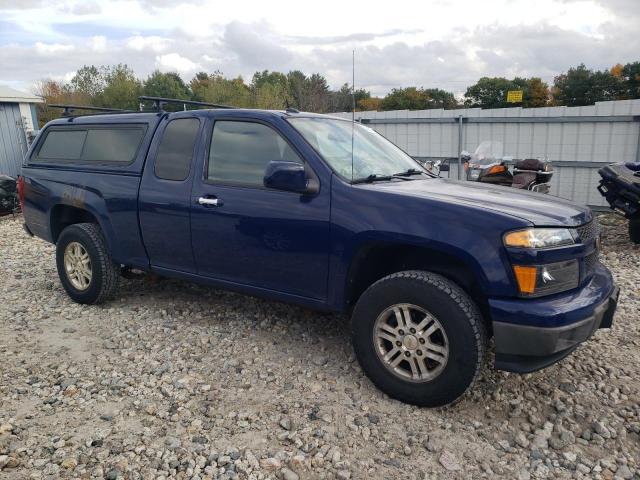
point(301, 248)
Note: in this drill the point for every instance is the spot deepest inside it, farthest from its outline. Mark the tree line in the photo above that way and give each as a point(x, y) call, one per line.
point(117, 86)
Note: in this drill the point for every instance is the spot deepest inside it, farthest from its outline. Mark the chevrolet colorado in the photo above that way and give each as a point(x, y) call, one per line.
point(327, 214)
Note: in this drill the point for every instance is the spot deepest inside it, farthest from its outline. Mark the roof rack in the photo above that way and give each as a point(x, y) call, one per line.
point(159, 102)
point(68, 109)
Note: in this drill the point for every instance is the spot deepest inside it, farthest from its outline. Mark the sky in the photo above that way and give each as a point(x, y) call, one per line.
point(430, 43)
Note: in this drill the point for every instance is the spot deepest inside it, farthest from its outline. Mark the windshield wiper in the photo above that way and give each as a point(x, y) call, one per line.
point(374, 177)
point(410, 172)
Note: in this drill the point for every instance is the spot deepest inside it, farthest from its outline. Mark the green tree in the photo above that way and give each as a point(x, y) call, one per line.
point(89, 81)
point(582, 86)
point(490, 92)
point(296, 86)
point(121, 90)
point(631, 79)
point(215, 88)
point(270, 90)
point(536, 93)
point(372, 103)
point(412, 98)
point(308, 93)
point(167, 85)
point(342, 100)
point(438, 98)
point(261, 79)
point(269, 97)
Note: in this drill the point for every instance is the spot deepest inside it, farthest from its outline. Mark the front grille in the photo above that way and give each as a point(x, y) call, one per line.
point(588, 231)
point(590, 262)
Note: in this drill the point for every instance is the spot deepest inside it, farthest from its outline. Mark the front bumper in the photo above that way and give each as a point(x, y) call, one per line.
point(533, 334)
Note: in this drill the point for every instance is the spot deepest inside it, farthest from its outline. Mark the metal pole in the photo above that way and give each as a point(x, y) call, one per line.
point(459, 147)
point(638, 147)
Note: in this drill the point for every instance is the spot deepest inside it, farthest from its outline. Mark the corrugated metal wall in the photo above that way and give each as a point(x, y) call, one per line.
point(578, 140)
point(12, 145)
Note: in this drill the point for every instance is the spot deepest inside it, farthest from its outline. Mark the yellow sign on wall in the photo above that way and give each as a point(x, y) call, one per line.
point(514, 96)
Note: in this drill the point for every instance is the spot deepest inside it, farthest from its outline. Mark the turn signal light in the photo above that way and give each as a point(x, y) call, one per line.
point(526, 277)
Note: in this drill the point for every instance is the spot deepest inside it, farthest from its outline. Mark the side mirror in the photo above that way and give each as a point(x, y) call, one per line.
point(290, 177)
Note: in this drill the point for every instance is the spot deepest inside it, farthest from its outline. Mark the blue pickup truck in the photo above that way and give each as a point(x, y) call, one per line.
point(327, 214)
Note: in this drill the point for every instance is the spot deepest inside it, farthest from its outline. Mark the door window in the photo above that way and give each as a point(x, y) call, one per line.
point(241, 151)
point(173, 161)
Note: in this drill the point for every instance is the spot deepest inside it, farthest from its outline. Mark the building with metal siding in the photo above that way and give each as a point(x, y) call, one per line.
point(578, 140)
point(18, 125)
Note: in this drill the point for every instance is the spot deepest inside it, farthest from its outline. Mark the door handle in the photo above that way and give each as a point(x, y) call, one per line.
point(210, 201)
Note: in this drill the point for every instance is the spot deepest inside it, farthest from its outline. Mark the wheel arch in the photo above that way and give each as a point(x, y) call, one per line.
point(376, 260)
point(63, 215)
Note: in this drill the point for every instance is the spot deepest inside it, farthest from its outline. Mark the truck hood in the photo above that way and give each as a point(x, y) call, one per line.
point(537, 208)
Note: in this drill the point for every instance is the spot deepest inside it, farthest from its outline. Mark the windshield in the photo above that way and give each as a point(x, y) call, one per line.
point(372, 153)
point(488, 152)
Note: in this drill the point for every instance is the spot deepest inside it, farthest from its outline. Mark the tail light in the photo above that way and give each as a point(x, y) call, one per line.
point(497, 169)
point(20, 186)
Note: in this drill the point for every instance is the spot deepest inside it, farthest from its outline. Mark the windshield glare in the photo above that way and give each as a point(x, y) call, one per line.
point(372, 153)
point(487, 153)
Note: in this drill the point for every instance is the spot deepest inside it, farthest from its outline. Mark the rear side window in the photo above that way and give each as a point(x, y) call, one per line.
point(173, 161)
point(63, 144)
point(93, 144)
point(241, 151)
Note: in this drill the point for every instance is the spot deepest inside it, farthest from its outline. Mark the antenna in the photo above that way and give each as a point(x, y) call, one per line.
point(353, 104)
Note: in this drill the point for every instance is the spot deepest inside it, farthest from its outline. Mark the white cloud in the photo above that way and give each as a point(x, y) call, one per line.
point(174, 62)
point(152, 42)
point(52, 48)
point(98, 43)
point(443, 43)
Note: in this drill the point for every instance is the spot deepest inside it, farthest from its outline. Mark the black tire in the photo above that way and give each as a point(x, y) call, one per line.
point(459, 317)
point(104, 273)
point(634, 229)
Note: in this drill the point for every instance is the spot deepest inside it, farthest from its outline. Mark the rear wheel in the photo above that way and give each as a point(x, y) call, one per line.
point(634, 229)
point(84, 263)
point(419, 338)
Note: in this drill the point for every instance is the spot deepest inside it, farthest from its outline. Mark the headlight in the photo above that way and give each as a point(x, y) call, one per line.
point(539, 280)
point(539, 238)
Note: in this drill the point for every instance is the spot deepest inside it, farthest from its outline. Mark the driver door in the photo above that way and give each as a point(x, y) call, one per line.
point(247, 234)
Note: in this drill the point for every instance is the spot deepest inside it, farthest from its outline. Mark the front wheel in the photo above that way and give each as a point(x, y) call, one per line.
point(84, 264)
point(419, 338)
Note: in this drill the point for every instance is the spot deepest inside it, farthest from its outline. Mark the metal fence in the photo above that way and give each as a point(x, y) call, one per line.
point(578, 140)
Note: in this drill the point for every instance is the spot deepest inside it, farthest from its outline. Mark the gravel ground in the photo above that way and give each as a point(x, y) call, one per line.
point(176, 380)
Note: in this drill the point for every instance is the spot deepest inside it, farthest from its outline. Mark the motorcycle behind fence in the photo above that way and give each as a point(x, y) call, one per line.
point(488, 165)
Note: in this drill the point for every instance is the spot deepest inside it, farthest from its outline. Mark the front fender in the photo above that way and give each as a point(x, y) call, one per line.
point(470, 234)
